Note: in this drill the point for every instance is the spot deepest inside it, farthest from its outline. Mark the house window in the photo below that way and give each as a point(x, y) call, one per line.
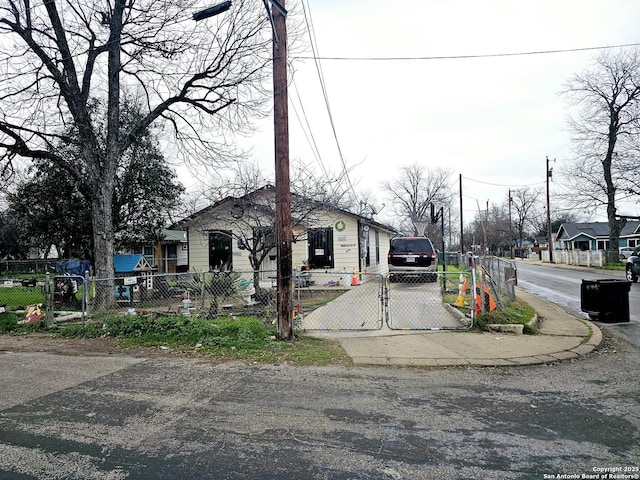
point(377, 247)
point(633, 243)
point(147, 251)
point(220, 250)
point(366, 246)
point(603, 244)
point(581, 245)
point(320, 253)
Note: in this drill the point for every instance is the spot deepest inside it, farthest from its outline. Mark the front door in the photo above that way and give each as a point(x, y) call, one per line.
point(220, 250)
point(320, 242)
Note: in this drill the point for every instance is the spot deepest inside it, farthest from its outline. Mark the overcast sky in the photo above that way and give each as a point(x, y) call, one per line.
point(492, 119)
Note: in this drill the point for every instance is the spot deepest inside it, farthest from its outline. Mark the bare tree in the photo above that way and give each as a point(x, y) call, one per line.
point(491, 229)
point(525, 202)
point(605, 134)
point(244, 200)
point(56, 58)
point(412, 194)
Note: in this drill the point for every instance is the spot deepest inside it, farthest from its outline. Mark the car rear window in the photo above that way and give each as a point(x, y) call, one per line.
point(411, 245)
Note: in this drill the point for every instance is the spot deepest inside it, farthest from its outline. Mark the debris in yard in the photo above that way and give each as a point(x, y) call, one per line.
point(33, 314)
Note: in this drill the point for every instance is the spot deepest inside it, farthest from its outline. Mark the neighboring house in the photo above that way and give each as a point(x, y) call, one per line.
point(583, 236)
point(169, 255)
point(525, 247)
point(630, 234)
point(221, 236)
point(595, 236)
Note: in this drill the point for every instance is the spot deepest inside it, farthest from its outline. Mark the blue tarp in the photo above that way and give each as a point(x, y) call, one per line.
point(72, 267)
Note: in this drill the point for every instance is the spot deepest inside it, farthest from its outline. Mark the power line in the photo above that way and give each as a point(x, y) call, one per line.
point(502, 185)
point(317, 58)
point(464, 57)
point(310, 138)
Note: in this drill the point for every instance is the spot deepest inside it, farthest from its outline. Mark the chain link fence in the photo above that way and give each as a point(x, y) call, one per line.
point(21, 293)
point(204, 294)
point(441, 302)
point(500, 275)
point(58, 298)
point(27, 267)
point(339, 300)
point(321, 300)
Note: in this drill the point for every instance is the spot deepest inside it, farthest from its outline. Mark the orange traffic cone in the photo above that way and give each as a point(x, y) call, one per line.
point(354, 278)
point(463, 291)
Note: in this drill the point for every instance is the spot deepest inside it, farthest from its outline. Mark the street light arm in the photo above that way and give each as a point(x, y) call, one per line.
point(212, 11)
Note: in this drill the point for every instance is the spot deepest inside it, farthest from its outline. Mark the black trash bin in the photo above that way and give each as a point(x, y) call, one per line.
point(606, 300)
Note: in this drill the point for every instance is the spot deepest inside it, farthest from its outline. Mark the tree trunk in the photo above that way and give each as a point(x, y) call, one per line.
point(102, 200)
point(614, 224)
point(103, 243)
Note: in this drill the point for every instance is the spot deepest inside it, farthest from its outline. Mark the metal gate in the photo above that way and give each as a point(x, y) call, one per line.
point(374, 302)
point(358, 302)
point(66, 298)
point(437, 302)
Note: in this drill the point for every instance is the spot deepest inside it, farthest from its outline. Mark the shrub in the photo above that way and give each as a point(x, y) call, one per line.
point(241, 332)
point(9, 324)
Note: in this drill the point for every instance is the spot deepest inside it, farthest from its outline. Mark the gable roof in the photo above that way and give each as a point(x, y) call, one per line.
point(130, 263)
point(594, 230)
point(569, 231)
point(270, 190)
point(631, 228)
point(174, 236)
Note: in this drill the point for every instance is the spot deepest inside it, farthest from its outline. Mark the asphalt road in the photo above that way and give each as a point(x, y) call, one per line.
point(112, 416)
point(561, 285)
point(172, 418)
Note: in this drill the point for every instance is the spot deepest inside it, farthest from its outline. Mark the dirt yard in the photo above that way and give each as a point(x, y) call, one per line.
point(42, 342)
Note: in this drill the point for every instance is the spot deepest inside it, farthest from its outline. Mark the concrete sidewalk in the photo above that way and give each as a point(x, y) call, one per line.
point(561, 337)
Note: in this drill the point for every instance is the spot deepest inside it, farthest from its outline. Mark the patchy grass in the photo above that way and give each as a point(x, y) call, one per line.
point(515, 312)
point(313, 299)
point(612, 266)
point(18, 296)
point(246, 338)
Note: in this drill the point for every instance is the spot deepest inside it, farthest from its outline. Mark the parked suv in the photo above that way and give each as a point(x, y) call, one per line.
point(632, 268)
point(412, 257)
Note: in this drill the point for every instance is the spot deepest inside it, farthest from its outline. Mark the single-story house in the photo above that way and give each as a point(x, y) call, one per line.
point(595, 235)
point(630, 234)
point(238, 234)
point(169, 255)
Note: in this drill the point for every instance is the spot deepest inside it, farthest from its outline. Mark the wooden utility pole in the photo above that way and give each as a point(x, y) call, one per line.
point(549, 234)
point(284, 233)
point(461, 220)
point(510, 228)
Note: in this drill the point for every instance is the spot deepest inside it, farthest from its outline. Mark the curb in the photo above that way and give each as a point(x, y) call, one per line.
point(593, 342)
